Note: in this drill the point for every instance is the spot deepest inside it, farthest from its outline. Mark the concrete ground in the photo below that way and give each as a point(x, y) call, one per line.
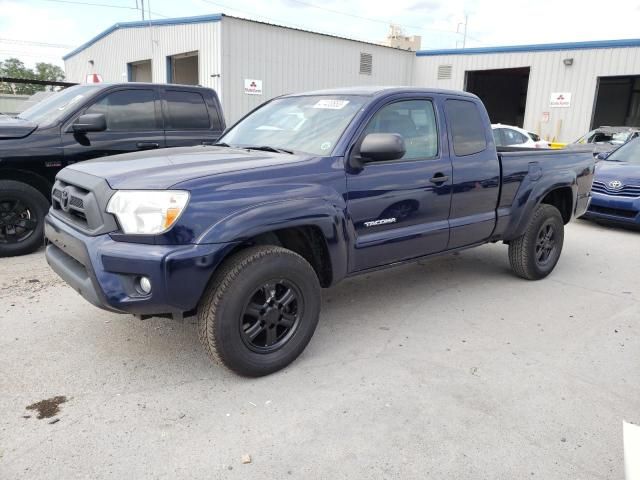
point(450, 368)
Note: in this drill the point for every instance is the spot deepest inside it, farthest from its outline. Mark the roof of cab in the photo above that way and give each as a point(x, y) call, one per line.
point(373, 91)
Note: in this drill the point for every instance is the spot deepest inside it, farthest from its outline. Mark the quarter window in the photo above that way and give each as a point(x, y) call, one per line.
point(467, 127)
point(127, 110)
point(415, 120)
point(187, 110)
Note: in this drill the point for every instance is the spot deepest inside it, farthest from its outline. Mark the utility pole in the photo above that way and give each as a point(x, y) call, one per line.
point(464, 32)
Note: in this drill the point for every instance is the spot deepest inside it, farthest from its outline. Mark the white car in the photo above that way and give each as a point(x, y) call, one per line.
point(510, 136)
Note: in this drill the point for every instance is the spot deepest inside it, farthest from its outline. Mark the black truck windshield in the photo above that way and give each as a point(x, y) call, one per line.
point(310, 124)
point(49, 110)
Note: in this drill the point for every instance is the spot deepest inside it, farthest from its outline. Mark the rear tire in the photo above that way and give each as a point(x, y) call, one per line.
point(22, 212)
point(535, 254)
point(260, 310)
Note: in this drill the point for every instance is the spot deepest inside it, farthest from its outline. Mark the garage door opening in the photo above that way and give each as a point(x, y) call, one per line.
point(503, 91)
point(183, 69)
point(617, 102)
point(139, 71)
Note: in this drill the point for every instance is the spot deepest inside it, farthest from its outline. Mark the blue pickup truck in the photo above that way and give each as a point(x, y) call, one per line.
point(302, 192)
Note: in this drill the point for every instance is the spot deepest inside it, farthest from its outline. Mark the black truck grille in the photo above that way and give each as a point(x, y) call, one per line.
point(68, 200)
point(80, 200)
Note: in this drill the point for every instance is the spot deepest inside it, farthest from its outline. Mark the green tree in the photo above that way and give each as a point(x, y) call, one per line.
point(15, 68)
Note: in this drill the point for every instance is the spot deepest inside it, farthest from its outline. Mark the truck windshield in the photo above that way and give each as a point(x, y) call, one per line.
point(49, 110)
point(310, 124)
point(629, 153)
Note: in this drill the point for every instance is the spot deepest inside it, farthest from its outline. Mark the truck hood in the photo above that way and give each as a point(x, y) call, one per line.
point(159, 169)
point(627, 173)
point(11, 127)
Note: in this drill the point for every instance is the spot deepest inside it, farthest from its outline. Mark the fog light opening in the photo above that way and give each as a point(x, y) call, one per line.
point(144, 285)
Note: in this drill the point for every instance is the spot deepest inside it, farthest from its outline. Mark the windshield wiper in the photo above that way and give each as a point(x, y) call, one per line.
point(221, 144)
point(267, 148)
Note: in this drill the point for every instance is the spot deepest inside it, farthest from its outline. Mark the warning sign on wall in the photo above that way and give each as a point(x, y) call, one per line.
point(252, 87)
point(560, 100)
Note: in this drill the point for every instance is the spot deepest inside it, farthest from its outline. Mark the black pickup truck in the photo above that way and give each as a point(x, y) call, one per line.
point(89, 121)
point(304, 191)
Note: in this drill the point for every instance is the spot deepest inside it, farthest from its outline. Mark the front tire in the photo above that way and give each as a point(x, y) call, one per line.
point(260, 310)
point(22, 212)
point(535, 254)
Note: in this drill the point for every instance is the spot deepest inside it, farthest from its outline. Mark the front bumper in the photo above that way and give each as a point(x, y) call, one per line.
point(105, 271)
point(614, 208)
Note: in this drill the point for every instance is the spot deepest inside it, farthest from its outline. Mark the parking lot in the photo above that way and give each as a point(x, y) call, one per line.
point(449, 368)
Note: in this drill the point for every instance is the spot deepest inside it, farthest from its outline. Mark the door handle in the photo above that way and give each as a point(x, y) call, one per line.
point(147, 145)
point(439, 178)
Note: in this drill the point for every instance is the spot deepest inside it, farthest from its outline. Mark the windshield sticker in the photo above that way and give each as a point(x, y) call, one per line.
point(331, 104)
point(325, 146)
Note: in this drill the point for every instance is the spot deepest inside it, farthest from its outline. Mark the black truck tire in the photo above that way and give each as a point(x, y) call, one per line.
point(535, 254)
point(22, 212)
point(260, 310)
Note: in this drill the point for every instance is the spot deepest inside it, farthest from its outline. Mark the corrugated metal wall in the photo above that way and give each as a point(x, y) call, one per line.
point(288, 60)
point(548, 74)
point(112, 53)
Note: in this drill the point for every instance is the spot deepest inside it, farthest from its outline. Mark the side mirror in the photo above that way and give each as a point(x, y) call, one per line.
point(378, 147)
point(90, 122)
point(602, 155)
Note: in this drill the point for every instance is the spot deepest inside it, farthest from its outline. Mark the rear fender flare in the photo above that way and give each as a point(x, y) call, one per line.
point(531, 194)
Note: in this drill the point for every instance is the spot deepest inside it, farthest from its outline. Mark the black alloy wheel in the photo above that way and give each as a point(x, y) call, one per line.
point(17, 222)
point(546, 243)
point(271, 316)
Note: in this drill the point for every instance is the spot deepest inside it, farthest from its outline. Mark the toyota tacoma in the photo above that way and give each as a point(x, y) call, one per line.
point(304, 191)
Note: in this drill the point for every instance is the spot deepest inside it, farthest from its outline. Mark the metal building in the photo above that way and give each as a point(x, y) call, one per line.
point(557, 90)
point(246, 62)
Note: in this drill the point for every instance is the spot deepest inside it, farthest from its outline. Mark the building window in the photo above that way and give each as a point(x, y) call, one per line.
point(366, 63)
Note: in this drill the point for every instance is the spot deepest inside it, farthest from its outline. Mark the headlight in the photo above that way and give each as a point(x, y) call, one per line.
point(147, 212)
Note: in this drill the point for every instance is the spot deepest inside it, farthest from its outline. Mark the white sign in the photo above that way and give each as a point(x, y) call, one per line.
point(545, 117)
point(252, 87)
point(560, 100)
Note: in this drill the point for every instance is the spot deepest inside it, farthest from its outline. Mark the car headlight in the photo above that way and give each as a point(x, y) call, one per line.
point(147, 212)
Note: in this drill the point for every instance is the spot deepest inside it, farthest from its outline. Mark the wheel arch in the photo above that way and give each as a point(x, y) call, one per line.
point(39, 182)
point(313, 228)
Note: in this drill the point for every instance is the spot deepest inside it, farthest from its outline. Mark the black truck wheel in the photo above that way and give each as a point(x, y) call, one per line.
point(260, 310)
point(22, 212)
point(535, 254)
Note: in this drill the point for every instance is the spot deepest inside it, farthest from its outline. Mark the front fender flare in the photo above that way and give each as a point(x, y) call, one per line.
point(328, 217)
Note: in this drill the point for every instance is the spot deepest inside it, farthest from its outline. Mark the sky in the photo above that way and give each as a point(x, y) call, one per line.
point(45, 30)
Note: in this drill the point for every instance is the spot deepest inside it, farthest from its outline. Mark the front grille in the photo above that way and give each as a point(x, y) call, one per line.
point(625, 191)
point(615, 212)
point(80, 200)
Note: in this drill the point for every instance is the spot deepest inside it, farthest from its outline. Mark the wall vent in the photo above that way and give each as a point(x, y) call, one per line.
point(444, 72)
point(366, 64)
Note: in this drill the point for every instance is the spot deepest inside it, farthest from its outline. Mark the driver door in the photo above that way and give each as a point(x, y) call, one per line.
point(400, 208)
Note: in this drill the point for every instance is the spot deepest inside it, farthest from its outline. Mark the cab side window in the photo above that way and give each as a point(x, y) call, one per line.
point(415, 120)
point(467, 127)
point(128, 110)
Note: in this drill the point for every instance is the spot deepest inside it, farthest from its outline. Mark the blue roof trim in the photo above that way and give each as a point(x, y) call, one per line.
point(542, 47)
point(140, 24)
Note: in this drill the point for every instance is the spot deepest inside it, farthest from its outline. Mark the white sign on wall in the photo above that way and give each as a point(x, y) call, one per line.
point(560, 100)
point(252, 87)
